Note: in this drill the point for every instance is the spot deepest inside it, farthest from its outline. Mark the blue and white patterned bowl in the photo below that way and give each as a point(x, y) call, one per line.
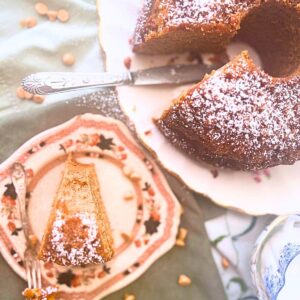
point(275, 263)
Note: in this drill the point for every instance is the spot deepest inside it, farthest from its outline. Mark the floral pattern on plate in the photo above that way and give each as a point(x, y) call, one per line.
point(144, 213)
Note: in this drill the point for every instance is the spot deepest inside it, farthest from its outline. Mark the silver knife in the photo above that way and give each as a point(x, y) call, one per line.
point(56, 82)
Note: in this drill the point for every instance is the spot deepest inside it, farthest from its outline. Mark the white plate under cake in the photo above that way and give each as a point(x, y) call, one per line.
point(272, 191)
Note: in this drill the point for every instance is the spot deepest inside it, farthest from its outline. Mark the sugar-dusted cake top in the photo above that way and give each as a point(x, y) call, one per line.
point(157, 15)
point(75, 240)
point(239, 116)
point(205, 11)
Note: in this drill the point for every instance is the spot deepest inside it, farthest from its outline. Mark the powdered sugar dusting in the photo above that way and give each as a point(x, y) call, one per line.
point(205, 11)
point(83, 247)
point(239, 117)
point(180, 12)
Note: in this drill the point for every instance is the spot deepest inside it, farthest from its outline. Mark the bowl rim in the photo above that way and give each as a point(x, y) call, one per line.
point(261, 241)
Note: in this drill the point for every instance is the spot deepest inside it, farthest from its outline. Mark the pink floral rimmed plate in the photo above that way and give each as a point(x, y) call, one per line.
point(273, 191)
point(143, 212)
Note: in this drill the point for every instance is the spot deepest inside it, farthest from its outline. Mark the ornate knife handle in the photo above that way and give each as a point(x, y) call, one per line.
point(48, 83)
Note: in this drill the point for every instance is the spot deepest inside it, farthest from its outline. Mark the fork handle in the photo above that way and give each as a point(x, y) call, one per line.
point(19, 181)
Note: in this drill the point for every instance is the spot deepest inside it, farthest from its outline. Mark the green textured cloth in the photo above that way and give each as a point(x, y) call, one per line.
point(23, 51)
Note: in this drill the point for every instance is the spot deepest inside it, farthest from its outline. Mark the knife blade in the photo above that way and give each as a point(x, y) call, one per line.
point(44, 83)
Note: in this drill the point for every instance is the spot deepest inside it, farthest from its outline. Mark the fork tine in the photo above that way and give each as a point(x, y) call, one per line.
point(39, 275)
point(33, 272)
point(28, 275)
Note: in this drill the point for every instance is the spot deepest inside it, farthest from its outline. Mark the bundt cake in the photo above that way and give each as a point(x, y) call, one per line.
point(78, 230)
point(272, 27)
point(240, 116)
point(237, 117)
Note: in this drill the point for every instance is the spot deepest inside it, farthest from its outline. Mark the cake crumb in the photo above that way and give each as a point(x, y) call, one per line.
point(128, 196)
point(147, 132)
point(33, 240)
point(127, 62)
point(172, 60)
point(126, 237)
point(214, 173)
point(184, 280)
point(195, 56)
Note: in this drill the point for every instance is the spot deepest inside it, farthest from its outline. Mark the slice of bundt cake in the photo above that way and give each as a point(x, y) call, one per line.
point(78, 230)
point(272, 27)
point(166, 26)
point(237, 117)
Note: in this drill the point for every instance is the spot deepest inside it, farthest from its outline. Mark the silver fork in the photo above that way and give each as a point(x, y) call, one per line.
point(32, 265)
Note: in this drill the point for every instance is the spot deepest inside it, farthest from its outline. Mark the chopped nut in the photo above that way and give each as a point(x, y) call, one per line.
point(31, 22)
point(52, 15)
point(134, 176)
point(129, 297)
point(180, 243)
point(28, 22)
point(225, 263)
point(27, 95)
point(183, 280)
point(20, 92)
point(68, 59)
point(127, 171)
point(41, 8)
point(181, 210)
point(127, 238)
point(38, 98)
point(23, 23)
point(128, 196)
point(63, 15)
point(182, 233)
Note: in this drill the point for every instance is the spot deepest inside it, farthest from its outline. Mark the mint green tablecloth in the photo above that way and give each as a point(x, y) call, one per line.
point(23, 51)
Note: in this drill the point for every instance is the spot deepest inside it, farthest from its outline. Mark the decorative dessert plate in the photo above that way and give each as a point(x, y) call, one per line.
point(143, 212)
point(272, 191)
